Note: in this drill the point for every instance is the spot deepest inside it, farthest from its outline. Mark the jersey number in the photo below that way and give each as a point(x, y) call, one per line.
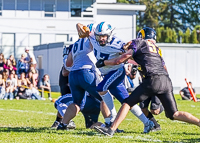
point(152, 47)
point(76, 45)
point(102, 55)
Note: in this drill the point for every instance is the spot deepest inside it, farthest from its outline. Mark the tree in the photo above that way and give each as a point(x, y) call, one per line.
point(193, 37)
point(186, 36)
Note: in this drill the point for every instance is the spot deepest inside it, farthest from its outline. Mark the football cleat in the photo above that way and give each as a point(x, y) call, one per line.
point(104, 130)
point(71, 125)
point(62, 126)
point(154, 129)
point(117, 130)
point(55, 125)
point(148, 127)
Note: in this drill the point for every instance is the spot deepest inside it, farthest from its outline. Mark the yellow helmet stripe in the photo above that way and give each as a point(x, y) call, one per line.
point(143, 33)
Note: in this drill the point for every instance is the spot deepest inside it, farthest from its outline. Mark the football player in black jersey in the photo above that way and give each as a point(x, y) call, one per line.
point(156, 82)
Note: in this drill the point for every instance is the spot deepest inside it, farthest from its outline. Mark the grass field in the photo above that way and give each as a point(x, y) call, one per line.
point(30, 121)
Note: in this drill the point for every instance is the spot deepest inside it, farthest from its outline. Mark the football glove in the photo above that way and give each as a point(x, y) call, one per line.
point(100, 63)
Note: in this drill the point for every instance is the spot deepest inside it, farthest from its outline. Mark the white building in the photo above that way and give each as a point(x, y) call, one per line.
point(33, 22)
point(26, 23)
point(182, 61)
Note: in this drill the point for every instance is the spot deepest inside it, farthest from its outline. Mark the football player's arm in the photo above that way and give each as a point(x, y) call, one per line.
point(121, 59)
point(64, 71)
point(69, 60)
point(83, 31)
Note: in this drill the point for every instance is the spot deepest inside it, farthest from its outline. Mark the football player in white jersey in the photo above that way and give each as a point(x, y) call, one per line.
point(107, 46)
point(82, 77)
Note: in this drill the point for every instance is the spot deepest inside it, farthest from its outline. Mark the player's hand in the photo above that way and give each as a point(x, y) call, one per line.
point(100, 63)
point(83, 31)
point(127, 45)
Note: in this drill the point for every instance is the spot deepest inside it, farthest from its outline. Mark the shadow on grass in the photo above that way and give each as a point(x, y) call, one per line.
point(24, 129)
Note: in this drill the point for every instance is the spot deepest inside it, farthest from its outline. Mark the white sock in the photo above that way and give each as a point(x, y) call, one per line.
point(107, 98)
point(136, 110)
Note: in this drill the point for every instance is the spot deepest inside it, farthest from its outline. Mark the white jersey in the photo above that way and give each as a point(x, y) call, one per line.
point(83, 55)
point(110, 51)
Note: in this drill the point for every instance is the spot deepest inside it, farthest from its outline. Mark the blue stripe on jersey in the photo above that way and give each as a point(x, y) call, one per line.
point(81, 48)
point(100, 26)
point(90, 26)
point(112, 40)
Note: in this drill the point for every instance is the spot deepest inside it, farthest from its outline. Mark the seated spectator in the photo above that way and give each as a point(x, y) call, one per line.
point(12, 60)
point(5, 74)
point(22, 65)
point(2, 87)
point(185, 93)
point(34, 75)
point(44, 85)
point(29, 78)
point(21, 79)
point(11, 87)
point(33, 92)
point(21, 92)
point(9, 66)
point(2, 62)
point(14, 73)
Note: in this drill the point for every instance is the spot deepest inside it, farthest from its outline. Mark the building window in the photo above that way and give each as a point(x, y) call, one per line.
point(34, 39)
point(22, 4)
point(62, 38)
point(81, 8)
point(8, 44)
point(49, 10)
point(9, 4)
point(0, 8)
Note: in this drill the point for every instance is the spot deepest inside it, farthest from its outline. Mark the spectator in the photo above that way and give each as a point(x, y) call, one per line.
point(34, 75)
point(5, 74)
point(12, 60)
point(21, 92)
point(44, 85)
point(2, 62)
point(29, 78)
point(22, 65)
point(33, 92)
point(11, 87)
point(9, 66)
point(14, 73)
point(185, 93)
point(30, 57)
point(22, 79)
point(2, 87)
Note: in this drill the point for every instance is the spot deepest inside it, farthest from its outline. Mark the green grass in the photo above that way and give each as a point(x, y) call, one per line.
point(30, 121)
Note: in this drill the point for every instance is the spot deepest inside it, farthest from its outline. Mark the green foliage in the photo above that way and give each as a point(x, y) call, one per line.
point(166, 35)
point(29, 121)
point(193, 37)
point(186, 36)
point(175, 14)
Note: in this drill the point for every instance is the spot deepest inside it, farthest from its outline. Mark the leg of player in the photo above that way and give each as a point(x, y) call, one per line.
point(107, 98)
point(70, 113)
point(57, 121)
point(186, 117)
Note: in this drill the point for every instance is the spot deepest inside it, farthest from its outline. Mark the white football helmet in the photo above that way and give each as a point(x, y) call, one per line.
point(92, 26)
point(103, 29)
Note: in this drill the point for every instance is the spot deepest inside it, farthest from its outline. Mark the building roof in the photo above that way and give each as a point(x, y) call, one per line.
point(120, 6)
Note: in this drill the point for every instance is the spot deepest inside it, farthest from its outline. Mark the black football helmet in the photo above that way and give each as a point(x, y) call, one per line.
point(147, 33)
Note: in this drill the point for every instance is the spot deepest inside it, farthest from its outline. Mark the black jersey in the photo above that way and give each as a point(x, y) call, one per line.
point(148, 56)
